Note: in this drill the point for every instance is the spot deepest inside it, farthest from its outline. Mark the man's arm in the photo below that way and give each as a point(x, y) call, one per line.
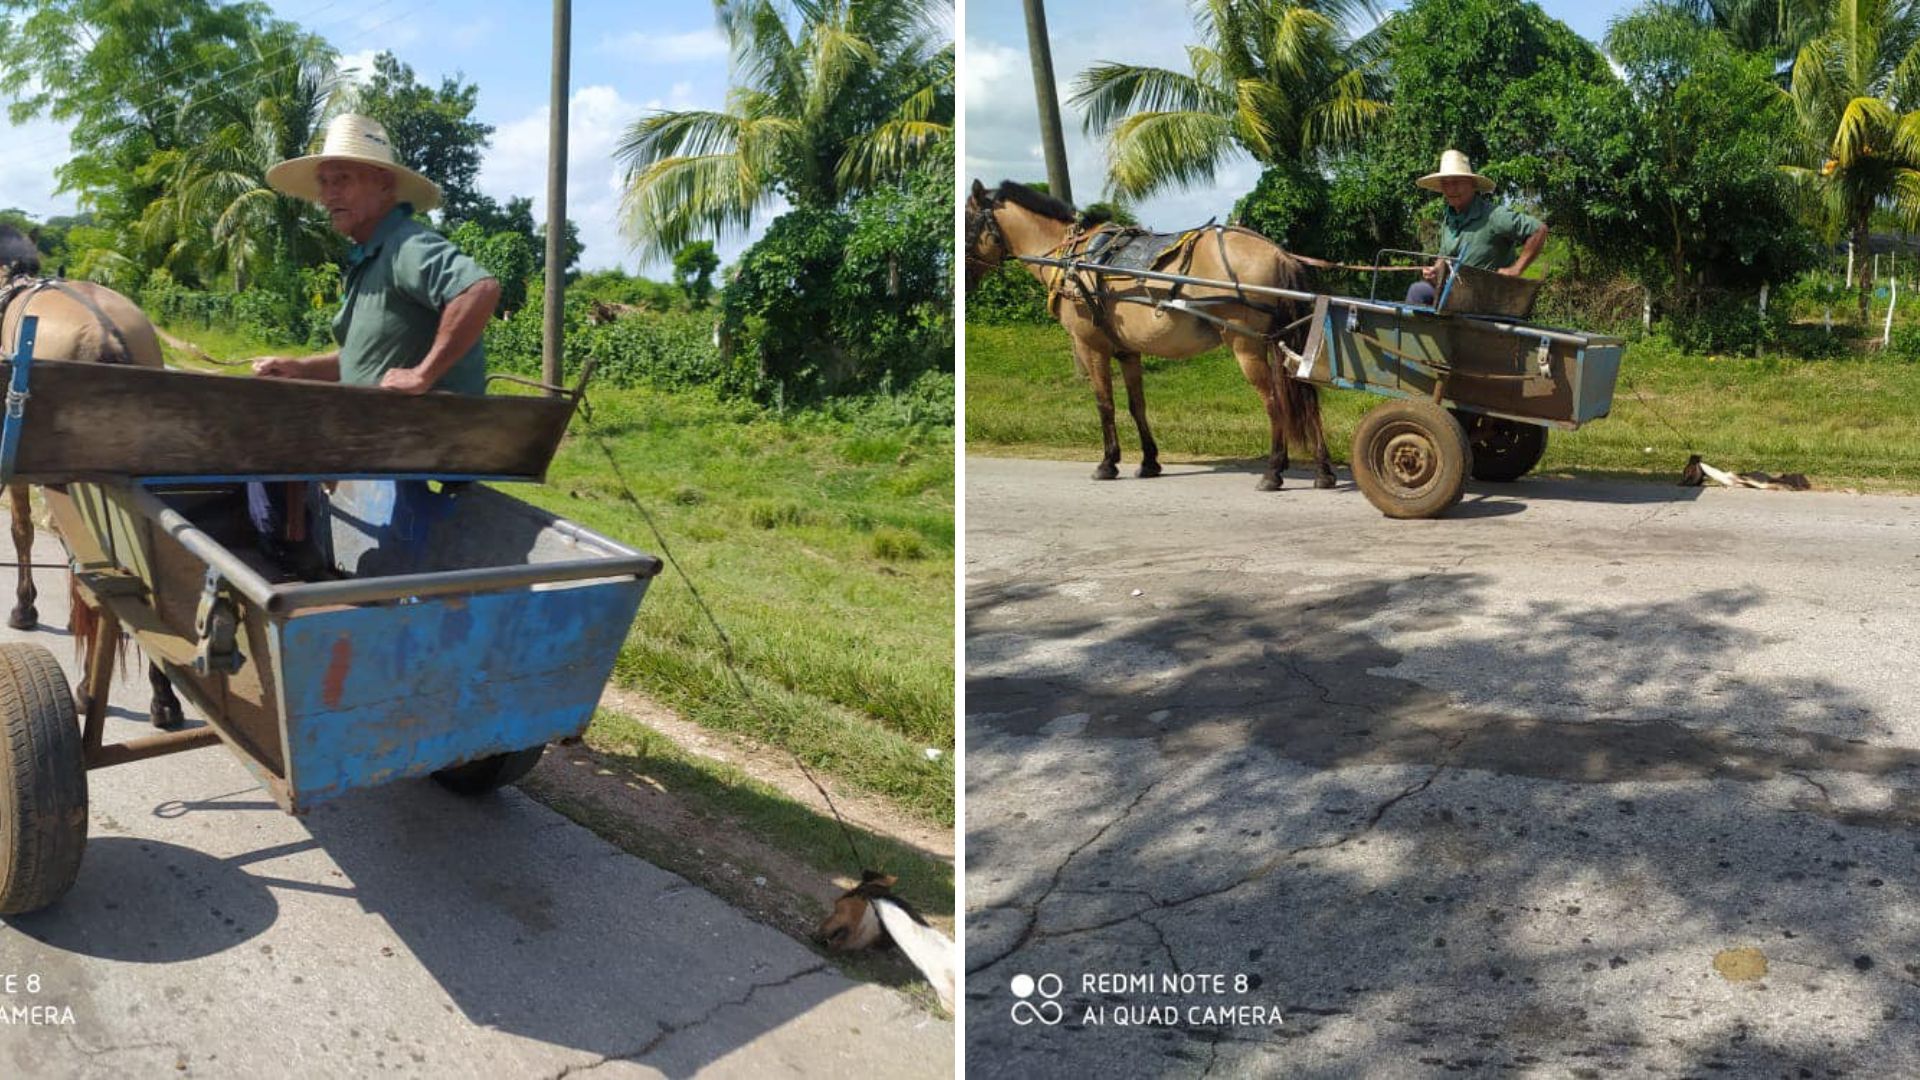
point(461, 323)
point(1528, 252)
point(322, 368)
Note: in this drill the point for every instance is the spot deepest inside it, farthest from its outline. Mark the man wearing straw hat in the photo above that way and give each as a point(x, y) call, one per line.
point(413, 309)
point(1473, 230)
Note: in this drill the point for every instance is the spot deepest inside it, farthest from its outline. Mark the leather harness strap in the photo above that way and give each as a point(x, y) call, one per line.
point(34, 286)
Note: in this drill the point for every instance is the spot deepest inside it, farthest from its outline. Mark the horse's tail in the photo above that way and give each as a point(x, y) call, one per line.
point(1299, 405)
point(83, 623)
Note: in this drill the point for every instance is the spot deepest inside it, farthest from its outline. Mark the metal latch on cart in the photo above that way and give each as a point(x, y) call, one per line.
point(1539, 382)
point(217, 625)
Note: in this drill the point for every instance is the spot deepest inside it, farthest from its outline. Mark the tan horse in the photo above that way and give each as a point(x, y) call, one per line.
point(1115, 317)
point(79, 320)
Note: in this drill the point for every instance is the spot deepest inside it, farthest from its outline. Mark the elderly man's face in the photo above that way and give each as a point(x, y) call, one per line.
point(1457, 190)
point(355, 196)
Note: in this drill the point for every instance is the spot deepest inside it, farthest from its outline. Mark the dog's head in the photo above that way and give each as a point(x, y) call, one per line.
point(854, 923)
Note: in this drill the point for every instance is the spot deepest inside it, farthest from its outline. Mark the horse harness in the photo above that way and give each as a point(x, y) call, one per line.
point(1111, 250)
point(26, 288)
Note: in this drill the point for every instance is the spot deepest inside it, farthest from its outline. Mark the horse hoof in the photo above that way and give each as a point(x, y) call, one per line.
point(1148, 471)
point(24, 618)
point(1269, 483)
point(1106, 472)
point(166, 717)
point(1324, 483)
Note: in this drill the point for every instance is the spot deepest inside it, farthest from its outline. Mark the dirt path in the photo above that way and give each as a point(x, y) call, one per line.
point(776, 768)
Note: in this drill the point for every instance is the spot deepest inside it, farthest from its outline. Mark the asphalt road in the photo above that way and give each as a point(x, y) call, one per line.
point(401, 931)
point(1584, 779)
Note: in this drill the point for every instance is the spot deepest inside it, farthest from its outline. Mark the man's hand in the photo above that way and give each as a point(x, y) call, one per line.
point(405, 380)
point(277, 367)
point(1431, 273)
point(1513, 271)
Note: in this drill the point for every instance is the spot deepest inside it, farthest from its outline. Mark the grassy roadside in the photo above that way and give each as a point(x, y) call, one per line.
point(822, 542)
point(1845, 423)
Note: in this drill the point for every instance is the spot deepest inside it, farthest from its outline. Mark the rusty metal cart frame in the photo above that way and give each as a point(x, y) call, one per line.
point(1475, 389)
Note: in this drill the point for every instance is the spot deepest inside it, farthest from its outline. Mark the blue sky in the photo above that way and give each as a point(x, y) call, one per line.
point(628, 59)
point(1002, 129)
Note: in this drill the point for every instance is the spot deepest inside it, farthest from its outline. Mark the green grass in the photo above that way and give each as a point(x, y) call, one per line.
point(806, 833)
point(829, 564)
point(1846, 423)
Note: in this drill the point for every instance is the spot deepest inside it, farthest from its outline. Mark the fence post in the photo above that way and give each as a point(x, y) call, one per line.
point(1763, 298)
point(1646, 309)
point(1893, 297)
point(1849, 264)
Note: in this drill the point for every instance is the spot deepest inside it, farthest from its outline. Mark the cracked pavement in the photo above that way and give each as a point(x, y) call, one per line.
point(403, 930)
point(1586, 777)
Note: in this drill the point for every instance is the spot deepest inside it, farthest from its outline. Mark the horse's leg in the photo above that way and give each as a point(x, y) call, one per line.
point(165, 710)
point(25, 616)
point(1099, 368)
point(1137, 407)
point(1252, 354)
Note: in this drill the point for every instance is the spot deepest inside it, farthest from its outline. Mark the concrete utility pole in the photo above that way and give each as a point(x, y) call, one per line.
point(1050, 137)
point(552, 311)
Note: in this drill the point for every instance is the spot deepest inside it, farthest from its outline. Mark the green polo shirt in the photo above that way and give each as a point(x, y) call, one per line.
point(1485, 235)
point(398, 283)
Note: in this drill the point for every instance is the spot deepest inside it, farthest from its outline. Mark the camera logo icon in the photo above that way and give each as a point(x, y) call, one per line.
point(1044, 1008)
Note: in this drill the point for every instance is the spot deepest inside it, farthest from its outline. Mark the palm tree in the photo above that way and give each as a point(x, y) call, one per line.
point(216, 213)
point(1281, 80)
point(1854, 92)
point(831, 99)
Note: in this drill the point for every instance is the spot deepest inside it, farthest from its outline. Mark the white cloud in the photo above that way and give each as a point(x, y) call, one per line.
point(692, 46)
point(597, 117)
point(357, 67)
point(27, 183)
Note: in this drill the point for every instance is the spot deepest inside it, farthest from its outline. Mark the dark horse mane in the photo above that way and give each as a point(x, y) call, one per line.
point(17, 253)
point(1043, 204)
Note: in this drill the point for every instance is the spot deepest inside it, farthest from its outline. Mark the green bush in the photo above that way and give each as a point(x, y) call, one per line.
point(833, 302)
point(1904, 344)
point(1727, 324)
point(1010, 295)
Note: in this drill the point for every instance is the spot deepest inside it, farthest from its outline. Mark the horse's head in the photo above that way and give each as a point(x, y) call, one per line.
point(986, 244)
point(18, 255)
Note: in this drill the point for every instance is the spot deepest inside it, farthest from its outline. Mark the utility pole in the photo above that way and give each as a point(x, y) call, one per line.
point(552, 312)
point(1049, 99)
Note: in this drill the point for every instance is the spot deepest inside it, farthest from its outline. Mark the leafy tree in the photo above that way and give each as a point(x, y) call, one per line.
point(693, 267)
point(433, 131)
point(1279, 80)
point(507, 255)
point(1854, 92)
point(517, 217)
point(1671, 174)
point(215, 213)
point(831, 99)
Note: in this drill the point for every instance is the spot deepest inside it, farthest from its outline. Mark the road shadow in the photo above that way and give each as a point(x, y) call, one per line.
point(1250, 781)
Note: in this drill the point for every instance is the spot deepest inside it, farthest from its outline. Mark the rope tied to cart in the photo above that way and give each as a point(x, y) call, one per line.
point(726, 640)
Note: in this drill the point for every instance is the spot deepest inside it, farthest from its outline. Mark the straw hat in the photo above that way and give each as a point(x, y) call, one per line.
point(1454, 163)
point(351, 137)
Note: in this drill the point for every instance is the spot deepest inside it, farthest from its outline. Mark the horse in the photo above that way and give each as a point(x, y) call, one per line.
point(79, 320)
point(1114, 317)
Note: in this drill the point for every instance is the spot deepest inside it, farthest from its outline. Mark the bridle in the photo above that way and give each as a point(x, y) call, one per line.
point(982, 226)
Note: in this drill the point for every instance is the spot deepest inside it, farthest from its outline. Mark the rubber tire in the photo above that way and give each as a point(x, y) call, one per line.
point(43, 781)
point(1438, 444)
point(490, 773)
point(1503, 450)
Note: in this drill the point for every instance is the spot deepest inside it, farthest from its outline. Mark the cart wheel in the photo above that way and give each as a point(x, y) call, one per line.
point(1410, 459)
point(488, 773)
point(43, 781)
point(1503, 449)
